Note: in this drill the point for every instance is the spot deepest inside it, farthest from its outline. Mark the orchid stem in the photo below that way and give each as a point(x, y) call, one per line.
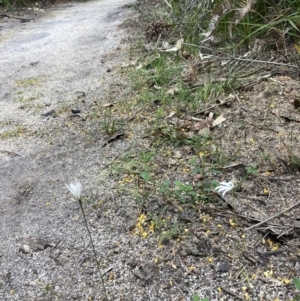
point(94, 251)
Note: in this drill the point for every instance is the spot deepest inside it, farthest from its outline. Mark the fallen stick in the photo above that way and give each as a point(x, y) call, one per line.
point(274, 216)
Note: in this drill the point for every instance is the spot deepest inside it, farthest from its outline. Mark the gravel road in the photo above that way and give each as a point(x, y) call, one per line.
point(54, 72)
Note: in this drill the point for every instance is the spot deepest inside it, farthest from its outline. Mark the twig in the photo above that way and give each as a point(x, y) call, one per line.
point(213, 106)
point(274, 216)
point(9, 153)
point(240, 272)
point(242, 59)
point(181, 292)
point(22, 19)
point(230, 292)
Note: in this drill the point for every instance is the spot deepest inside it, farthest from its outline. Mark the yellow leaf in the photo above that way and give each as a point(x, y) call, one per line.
point(266, 190)
point(219, 226)
point(156, 260)
point(191, 268)
point(232, 223)
point(151, 227)
point(268, 273)
point(286, 281)
point(142, 218)
point(297, 47)
point(247, 297)
point(220, 290)
point(144, 234)
point(201, 154)
point(210, 259)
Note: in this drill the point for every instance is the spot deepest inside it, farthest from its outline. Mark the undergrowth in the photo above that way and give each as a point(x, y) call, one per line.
point(197, 57)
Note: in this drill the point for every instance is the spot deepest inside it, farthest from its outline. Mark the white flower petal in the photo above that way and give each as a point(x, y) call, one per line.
point(224, 187)
point(75, 189)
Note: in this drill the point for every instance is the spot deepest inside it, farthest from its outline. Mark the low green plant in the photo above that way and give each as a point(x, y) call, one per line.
point(109, 125)
point(186, 193)
point(13, 4)
point(196, 297)
point(296, 282)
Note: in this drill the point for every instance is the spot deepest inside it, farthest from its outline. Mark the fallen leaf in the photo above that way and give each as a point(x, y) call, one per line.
point(218, 120)
point(201, 125)
point(171, 114)
point(172, 161)
point(107, 105)
point(177, 155)
point(130, 63)
point(172, 90)
point(198, 178)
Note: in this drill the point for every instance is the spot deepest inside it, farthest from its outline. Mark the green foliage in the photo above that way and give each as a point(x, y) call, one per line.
point(251, 170)
point(296, 282)
point(11, 4)
point(146, 176)
point(185, 192)
point(235, 22)
point(195, 297)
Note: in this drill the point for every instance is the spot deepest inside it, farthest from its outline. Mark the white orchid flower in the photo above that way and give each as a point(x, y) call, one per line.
point(225, 187)
point(75, 189)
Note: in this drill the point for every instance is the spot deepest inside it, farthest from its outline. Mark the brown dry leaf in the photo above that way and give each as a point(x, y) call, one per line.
point(177, 155)
point(172, 161)
point(108, 105)
point(130, 63)
point(171, 114)
point(172, 90)
point(188, 56)
point(218, 120)
point(201, 125)
point(198, 178)
point(190, 73)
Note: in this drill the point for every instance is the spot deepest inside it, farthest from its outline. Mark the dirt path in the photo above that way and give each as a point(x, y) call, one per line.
point(54, 72)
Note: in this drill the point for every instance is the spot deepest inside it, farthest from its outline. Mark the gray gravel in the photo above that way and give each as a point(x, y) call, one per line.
point(50, 66)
